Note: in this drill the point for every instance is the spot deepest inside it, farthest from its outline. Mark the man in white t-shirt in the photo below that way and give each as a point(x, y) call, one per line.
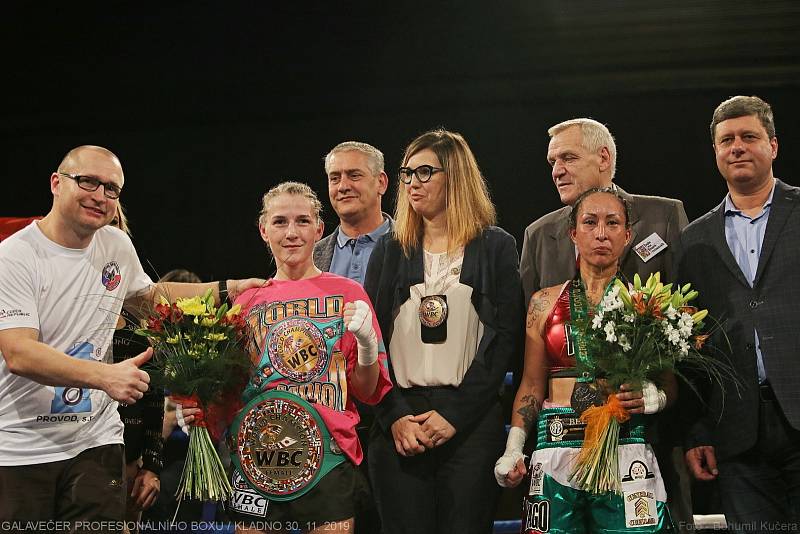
point(63, 281)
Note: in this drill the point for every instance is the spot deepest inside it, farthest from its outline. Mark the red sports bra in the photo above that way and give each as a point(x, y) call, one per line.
point(560, 352)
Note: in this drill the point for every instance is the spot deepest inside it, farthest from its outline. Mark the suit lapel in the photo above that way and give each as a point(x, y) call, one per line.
point(720, 243)
point(635, 224)
point(783, 202)
point(470, 264)
point(324, 255)
point(563, 249)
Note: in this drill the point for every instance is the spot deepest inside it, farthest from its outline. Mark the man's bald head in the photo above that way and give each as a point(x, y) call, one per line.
point(79, 155)
point(78, 210)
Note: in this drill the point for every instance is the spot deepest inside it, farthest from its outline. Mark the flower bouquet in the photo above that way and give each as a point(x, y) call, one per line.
point(636, 333)
point(198, 355)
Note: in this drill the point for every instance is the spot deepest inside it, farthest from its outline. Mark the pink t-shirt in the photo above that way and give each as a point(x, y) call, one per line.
point(298, 343)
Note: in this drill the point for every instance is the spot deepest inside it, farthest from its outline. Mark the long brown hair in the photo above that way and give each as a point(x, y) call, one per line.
point(469, 209)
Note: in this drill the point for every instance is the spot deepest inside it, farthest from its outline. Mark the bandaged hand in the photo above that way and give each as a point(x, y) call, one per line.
point(358, 320)
point(646, 399)
point(510, 468)
point(655, 399)
point(187, 413)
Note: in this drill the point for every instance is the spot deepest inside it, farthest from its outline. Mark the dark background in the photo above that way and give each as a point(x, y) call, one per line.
point(210, 104)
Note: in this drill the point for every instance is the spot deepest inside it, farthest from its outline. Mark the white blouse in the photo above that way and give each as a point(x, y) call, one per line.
point(436, 364)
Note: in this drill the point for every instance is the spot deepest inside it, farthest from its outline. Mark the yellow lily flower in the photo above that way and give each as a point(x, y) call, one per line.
point(623, 293)
point(193, 306)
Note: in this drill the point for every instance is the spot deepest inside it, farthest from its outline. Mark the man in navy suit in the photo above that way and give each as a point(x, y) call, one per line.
point(742, 257)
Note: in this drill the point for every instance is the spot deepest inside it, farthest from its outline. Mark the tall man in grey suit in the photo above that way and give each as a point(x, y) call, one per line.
point(356, 185)
point(583, 155)
point(742, 258)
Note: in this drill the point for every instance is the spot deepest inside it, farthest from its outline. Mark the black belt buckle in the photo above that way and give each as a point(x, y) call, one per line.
point(564, 427)
point(569, 427)
point(765, 392)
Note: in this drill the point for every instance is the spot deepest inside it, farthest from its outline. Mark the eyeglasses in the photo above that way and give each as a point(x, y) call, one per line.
point(423, 173)
point(89, 183)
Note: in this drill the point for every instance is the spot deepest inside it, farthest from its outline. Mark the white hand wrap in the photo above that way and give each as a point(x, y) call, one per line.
point(506, 463)
point(361, 327)
point(179, 418)
point(655, 399)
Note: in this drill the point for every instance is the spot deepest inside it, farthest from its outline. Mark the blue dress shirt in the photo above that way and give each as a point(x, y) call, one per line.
point(351, 254)
point(745, 235)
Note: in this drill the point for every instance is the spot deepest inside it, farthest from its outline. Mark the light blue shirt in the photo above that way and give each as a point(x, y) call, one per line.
point(351, 254)
point(745, 236)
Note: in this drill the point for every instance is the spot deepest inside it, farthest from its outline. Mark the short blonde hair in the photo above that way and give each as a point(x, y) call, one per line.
point(468, 206)
point(290, 188)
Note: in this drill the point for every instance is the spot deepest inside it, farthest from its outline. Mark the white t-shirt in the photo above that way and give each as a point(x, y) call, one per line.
point(72, 297)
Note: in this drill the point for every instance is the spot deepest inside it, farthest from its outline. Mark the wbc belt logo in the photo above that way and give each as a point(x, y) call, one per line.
point(279, 446)
point(297, 349)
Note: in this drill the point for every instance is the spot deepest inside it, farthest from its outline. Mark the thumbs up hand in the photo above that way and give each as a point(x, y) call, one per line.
point(125, 382)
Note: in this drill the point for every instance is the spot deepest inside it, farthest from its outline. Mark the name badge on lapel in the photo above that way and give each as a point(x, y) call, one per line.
point(649, 247)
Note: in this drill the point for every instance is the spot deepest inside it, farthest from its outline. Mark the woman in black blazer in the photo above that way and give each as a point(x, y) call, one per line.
point(446, 290)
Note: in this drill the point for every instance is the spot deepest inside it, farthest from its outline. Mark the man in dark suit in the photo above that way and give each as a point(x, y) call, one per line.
point(583, 155)
point(742, 258)
point(356, 185)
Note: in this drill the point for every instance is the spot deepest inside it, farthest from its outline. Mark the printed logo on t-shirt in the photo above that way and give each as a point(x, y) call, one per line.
point(8, 314)
point(111, 276)
point(74, 399)
point(297, 344)
point(297, 349)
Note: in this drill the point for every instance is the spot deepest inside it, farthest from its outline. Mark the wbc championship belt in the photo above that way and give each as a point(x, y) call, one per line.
point(281, 445)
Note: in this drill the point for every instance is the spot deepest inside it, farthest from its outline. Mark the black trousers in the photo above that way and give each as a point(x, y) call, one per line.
point(450, 488)
point(89, 488)
point(760, 489)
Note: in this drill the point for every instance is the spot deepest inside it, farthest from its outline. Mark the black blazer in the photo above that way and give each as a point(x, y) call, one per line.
point(491, 268)
point(770, 306)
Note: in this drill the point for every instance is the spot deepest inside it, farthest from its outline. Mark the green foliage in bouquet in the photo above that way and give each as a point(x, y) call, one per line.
point(198, 354)
point(636, 334)
point(198, 349)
